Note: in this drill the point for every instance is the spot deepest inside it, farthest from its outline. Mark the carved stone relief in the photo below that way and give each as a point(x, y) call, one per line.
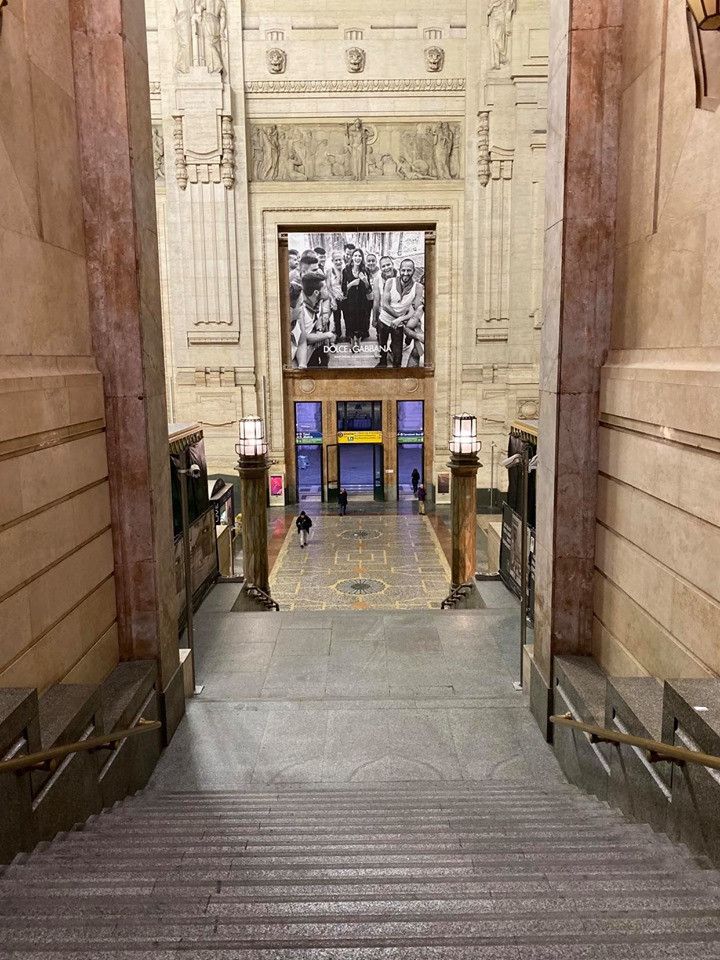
point(276, 60)
point(355, 59)
point(200, 35)
point(434, 59)
point(158, 145)
point(483, 147)
point(356, 151)
point(499, 21)
point(204, 150)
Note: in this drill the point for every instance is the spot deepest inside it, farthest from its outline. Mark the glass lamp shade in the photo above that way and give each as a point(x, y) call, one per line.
point(253, 442)
point(464, 434)
point(706, 13)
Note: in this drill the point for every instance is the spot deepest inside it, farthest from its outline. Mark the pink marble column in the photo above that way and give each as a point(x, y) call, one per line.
point(583, 108)
point(112, 95)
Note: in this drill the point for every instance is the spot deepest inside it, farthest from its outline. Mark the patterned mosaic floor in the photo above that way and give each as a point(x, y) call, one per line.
point(362, 563)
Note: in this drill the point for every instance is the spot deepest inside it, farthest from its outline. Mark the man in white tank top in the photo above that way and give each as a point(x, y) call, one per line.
point(403, 299)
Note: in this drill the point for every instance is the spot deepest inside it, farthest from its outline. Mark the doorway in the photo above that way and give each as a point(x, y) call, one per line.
point(410, 457)
point(309, 472)
point(360, 469)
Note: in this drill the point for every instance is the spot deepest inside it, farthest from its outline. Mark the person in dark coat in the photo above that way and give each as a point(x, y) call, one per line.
point(303, 524)
point(415, 477)
point(343, 501)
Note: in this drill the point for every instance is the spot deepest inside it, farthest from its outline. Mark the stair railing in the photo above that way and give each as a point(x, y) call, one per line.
point(51, 758)
point(656, 749)
point(456, 594)
point(264, 598)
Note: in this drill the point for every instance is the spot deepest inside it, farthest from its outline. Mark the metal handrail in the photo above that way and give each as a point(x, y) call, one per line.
point(50, 759)
point(457, 593)
point(257, 593)
point(657, 750)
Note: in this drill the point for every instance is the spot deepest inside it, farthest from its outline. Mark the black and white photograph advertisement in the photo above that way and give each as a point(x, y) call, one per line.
point(357, 299)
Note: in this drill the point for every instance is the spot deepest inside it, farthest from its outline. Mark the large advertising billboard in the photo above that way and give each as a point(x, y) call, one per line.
point(357, 299)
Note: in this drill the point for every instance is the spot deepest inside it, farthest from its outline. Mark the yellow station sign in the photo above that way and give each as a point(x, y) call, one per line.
point(359, 436)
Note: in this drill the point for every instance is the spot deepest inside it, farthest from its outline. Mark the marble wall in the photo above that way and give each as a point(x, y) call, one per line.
point(58, 618)
point(303, 74)
point(656, 584)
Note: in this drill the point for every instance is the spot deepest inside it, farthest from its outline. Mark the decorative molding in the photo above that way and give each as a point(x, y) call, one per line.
point(181, 172)
point(307, 387)
point(227, 161)
point(420, 85)
point(154, 86)
point(213, 158)
point(387, 150)
point(485, 336)
point(158, 145)
point(434, 59)
point(276, 60)
point(355, 59)
point(483, 161)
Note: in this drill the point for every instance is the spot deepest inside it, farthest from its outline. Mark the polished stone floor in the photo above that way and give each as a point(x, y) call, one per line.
point(336, 697)
point(362, 562)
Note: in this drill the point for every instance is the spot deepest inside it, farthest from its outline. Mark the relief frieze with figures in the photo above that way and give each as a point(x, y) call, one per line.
point(356, 150)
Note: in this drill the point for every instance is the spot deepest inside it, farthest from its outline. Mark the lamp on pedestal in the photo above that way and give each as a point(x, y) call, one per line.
point(464, 463)
point(253, 466)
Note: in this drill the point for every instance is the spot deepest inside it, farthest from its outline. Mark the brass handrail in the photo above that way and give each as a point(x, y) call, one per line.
point(50, 759)
point(657, 750)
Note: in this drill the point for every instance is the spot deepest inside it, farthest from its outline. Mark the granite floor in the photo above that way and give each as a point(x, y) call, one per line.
point(362, 562)
point(345, 696)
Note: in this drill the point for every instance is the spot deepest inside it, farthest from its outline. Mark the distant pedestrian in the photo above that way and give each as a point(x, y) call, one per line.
point(303, 524)
point(415, 477)
point(343, 501)
point(421, 495)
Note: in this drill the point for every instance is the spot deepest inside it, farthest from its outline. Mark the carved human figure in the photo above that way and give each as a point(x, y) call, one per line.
point(311, 145)
point(357, 137)
point(158, 145)
point(271, 152)
point(212, 21)
point(258, 150)
point(442, 137)
point(499, 19)
point(355, 59)
point(183, 34)
point(434, 59)
point(276, 60)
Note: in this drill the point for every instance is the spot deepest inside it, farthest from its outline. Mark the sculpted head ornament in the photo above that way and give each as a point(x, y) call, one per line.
point(355, 59)
point(276, 60)
point(434, 59)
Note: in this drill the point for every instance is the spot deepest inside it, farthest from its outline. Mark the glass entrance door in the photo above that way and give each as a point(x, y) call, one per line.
point(357, 469)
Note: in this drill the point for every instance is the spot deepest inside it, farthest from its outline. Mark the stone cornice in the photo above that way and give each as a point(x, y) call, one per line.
point(424, 85)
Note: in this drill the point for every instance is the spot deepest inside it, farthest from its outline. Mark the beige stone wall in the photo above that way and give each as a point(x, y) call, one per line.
point(217, 232)
point(57, 591)
point(657, 585)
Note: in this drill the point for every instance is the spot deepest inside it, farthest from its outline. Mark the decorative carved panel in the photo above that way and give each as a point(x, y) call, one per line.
point(356, 151)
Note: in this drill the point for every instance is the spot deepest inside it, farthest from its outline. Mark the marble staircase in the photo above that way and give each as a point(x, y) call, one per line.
point(496, 869)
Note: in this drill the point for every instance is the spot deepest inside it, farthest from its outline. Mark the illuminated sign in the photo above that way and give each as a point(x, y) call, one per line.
point(410, 438)
point(308, 436)
point(359, 436)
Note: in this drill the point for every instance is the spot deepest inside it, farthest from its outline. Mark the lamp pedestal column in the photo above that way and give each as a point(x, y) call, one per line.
point(463, 470)
point(253, 472)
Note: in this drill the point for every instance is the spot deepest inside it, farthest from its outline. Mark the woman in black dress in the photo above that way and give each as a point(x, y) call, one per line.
point(358, 298)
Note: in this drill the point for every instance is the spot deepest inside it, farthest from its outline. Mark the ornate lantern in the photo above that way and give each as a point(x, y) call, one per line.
point(464, 435)
point(706, 13)
point(253, 442)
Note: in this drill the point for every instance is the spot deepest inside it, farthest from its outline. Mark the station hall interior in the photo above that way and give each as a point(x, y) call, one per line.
point(359, 471)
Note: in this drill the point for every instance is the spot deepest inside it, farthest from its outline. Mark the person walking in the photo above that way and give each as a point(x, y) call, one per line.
point(415, 478)
point(421, 495)
point(343, 501)
point(303, 524)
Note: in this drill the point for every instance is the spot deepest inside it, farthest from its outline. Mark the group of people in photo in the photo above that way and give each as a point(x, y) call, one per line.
point(356, 306)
